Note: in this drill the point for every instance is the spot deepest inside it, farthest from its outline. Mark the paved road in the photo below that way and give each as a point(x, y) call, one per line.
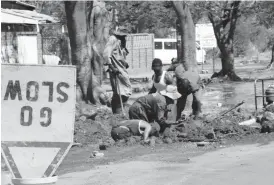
point(239, 165)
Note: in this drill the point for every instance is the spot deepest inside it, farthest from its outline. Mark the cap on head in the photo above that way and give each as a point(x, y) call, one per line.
point(174, 60)
point(171, 92)
point(121, 32)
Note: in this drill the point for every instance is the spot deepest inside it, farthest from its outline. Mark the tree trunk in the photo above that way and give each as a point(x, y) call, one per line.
point(100, 30)
point(87, 28)
point(77, 30)
point(187, 31)
point(269, 66)
point(227, 59)
point(224, 29)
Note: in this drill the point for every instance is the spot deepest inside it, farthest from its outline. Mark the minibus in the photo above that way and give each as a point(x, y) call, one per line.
point(166, 49)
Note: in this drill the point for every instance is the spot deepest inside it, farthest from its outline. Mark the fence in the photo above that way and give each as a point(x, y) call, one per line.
point(141, 53)
point(259, 90)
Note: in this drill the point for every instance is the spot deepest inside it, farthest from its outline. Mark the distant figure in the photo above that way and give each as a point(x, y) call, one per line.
point(160, 78)
point(127, 128)
point(154, 107)
point(115, 55)
point(51, 60)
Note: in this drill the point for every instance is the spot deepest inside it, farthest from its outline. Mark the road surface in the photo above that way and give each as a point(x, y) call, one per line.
point(238, 165)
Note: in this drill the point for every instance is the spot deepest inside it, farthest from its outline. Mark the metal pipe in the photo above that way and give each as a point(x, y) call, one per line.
point(255, 92)
point(263, 90)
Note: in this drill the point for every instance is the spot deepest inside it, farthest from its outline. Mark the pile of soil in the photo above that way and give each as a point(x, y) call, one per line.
point(95, 131)
point(210, 129)
point(206, 128)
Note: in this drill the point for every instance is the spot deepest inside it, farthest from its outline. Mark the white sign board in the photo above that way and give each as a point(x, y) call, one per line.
point(38, 114)
point(205, 35)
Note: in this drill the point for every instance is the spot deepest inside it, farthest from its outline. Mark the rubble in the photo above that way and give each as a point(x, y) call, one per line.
point(266, 119)
point(202, 143)
point(206, 128)
point(96, 154)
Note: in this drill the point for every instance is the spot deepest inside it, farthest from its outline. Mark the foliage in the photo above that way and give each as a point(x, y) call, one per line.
point(256, 22)
point(146, 16)
point(254, 29)
point(55, 9)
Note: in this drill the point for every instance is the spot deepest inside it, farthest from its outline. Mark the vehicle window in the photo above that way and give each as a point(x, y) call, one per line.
point(170, 45)
point(158, 45)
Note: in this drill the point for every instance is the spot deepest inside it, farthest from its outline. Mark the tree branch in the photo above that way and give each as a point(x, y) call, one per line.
point(233, 18)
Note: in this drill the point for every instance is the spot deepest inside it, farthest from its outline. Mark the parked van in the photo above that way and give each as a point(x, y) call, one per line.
point(166, 49)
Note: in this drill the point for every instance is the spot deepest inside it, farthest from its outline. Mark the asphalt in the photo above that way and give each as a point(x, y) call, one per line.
point(238, 165)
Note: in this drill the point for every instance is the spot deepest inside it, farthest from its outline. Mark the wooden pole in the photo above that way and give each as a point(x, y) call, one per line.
point(213, 61)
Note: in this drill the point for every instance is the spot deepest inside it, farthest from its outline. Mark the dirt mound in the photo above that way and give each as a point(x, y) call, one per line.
point(209, 128)
point(97, 131)
point(88, 131)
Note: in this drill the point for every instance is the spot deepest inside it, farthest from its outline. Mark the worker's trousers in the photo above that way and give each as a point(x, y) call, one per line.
point(196, 103)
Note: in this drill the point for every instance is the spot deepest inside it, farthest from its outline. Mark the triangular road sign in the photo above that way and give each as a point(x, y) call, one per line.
point(32, 159)
point(38, 115)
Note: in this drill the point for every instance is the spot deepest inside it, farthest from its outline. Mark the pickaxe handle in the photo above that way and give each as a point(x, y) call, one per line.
point(239, 104)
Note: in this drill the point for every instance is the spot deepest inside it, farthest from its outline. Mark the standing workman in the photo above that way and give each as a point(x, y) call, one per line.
point(188, 82)
point(160, 78)
point(115, 55)
point(154, 107)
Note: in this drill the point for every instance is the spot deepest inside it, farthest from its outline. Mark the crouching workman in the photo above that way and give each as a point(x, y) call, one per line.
point(188, 82)
point(154, 107)
point(127, 128)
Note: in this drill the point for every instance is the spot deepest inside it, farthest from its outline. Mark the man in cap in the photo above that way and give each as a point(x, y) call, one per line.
point(188, 82)
point(160, 78)
point(127, 128)
point(115, 55)
point(154, 107)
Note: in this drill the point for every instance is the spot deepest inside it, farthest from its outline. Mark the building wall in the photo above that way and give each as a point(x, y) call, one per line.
point(9, 46)
point(17, 28)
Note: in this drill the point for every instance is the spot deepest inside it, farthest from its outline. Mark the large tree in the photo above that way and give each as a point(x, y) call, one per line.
point(264, 12)
point(224, 16)
point(187, 32)
point(88, 29)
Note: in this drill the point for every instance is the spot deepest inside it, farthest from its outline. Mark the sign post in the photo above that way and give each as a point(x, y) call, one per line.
point(205, 34)
point(213, 60)
point(38, 113)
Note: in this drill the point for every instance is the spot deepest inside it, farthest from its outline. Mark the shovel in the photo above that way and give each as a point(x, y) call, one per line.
point(118, 88)
point(239, 104)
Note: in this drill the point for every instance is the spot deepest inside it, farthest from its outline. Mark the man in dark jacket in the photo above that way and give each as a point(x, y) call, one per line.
point(115, 55)
point(154, 107)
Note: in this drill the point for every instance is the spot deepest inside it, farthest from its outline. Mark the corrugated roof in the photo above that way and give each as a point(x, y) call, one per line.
point(25, 4)
point(14, 16)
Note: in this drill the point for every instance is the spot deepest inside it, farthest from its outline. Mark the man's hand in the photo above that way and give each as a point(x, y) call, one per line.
point(116, 71)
